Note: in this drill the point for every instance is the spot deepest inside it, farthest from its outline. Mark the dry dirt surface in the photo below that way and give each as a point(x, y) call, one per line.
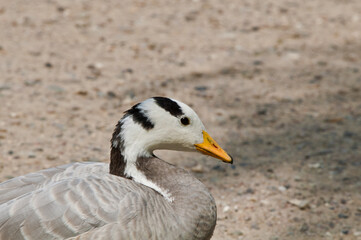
point(276, 82)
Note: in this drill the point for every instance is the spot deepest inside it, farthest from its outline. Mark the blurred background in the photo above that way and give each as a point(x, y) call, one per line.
point(277, 83)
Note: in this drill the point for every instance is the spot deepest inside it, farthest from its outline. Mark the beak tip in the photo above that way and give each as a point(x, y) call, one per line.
point(231, 161)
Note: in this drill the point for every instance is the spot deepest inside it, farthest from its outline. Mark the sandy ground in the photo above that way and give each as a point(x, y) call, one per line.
point(277, 83)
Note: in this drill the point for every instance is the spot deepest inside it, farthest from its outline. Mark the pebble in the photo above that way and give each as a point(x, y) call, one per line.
point(262, 111)
point(82, 92)
point(341, 215)
point(56, 88)
point(128, 70)
point(304, 228)
point(33, 82)
point(226, 208)
point(14, 115)
point(197, 169)
point(48, 65)
point(111, 94)
point(238, 233)
point(348, 134)
point(257, 62)
point(301, 204)
point(51, 158)
point(316, 79)
point(255, 226)
point(297, 178)
point(319, 153)
point(201, 88)
point(249, 191)
point(314, 165)
point(219, 168)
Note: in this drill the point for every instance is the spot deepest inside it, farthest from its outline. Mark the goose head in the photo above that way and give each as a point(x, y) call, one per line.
point(158, 123)
point(163, 123)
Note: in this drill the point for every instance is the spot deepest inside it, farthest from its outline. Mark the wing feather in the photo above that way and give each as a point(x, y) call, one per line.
point(77, 200)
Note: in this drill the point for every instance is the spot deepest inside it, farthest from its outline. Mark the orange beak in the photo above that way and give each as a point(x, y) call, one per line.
point(211, 148)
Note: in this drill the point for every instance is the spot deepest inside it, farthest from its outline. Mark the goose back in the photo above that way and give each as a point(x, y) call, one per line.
point(83, 200)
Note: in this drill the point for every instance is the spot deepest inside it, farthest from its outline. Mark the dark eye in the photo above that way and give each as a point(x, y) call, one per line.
point(185, 121)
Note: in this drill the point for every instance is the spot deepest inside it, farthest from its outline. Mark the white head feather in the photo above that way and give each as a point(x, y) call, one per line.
point(167, 132)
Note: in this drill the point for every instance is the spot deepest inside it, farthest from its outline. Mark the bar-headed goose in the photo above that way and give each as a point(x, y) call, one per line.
point(139, 197)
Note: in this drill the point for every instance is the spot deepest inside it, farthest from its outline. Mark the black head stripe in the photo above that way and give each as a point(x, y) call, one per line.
point(169, 105)
point(139, 117)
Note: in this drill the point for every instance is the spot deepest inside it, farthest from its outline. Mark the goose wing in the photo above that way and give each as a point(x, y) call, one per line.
point(70, 206)
point(18, 186)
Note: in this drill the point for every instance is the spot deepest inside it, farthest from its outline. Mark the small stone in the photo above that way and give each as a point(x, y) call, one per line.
point(255, 226)
point(316, 79)
point(282, 188)
point(247, 219)
point(262, 111)
point(201, 88)
point(4, 87)
point(265, 202)
point(314, 165)
point(56, 88)
point(297, 178)
point(255, 28)
point(82, 92)
point(301, 204)
point(219, 168)
point(335, 120)
point(14, 115)
point(348, 134)
point(257, 62)
point(48, 65)
point(31, 83)
point(128, 70)
point(238, 233)
point(345, 231)
point(249, 191)
point(197, 169)
point(304, 228)
point(60, 9)
point(341, 215)
point(331, 224)
point(226, 208)
point(50, 158)
point(111, 94)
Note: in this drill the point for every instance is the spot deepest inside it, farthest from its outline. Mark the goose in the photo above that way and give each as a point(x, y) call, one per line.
point(136, 196)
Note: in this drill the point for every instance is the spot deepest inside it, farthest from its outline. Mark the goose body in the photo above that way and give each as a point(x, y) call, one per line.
point(137, 196)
